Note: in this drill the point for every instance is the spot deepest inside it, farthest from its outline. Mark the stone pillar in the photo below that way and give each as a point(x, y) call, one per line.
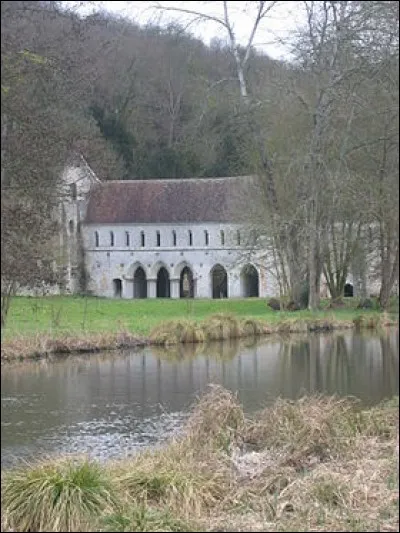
point(203, 287)
point(127, 288)
point(152, 288)
point(175, 288)
point(233, 285)
point(263, 284)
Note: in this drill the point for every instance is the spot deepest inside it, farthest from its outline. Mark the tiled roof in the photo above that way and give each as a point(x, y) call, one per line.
point(169, 200)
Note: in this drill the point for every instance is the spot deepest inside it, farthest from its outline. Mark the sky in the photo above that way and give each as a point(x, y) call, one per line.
point(279, 24)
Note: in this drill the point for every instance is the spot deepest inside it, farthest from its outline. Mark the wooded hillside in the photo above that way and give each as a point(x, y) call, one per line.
point(322, 131)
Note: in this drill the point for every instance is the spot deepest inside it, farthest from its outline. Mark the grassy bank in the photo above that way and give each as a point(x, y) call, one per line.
point(38, 327)
point(317, 464)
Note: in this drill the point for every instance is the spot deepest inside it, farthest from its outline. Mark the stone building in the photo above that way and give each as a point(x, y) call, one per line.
point(168, 239)
point(159, 238)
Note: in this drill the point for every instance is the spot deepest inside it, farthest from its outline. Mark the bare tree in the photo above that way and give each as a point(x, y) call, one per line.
point(41, 122)
point(241, 55)
point(335, 52)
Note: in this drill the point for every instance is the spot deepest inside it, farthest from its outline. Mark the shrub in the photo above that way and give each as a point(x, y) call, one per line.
point(274, 304)
point(366, 303)
point(293, 306)
point(337, 303)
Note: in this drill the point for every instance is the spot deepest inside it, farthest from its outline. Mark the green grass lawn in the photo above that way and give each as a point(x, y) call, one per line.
point(73, 314)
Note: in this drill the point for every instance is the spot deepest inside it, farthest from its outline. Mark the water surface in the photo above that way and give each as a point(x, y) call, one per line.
point(112, 404)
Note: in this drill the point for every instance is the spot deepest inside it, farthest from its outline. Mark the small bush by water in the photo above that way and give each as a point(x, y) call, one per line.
point(315, 464)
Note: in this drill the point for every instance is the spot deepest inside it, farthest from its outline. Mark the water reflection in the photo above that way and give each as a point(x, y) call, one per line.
point(112, 404)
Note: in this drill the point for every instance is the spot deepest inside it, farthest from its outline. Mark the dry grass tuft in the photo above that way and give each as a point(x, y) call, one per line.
point(145, 518)
point(370, 322)
point(177, 331)
point(175, 478)
point(217, 420)
point(251, 327)
point(382, 420)
point(292, 326)
point(313, 427)
point(58, 495)
point(221, 326)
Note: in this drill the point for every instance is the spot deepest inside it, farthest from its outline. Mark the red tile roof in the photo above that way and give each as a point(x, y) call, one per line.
point(168, 200)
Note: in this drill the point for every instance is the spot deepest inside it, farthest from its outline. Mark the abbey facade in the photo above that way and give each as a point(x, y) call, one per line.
point(165, 239)
point(158, 238)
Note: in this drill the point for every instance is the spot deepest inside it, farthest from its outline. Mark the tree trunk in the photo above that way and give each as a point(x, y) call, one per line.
point(390, 274)
point(312, 263)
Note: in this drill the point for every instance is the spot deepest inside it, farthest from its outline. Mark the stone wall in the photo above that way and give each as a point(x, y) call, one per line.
point(121, 260)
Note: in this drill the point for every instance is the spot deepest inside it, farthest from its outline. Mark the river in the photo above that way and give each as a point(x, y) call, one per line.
point(113, 404)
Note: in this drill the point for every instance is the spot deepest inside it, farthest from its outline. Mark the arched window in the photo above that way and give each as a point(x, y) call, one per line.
point(190, 238)
point(111, 238)
point(174, 237)
point(206, 240)
point(96, 239)
point(158, 239)
point(71, 227)
point(222, 234)
point(117, 286)
point(127, 238)
point(142, 240)
point(73, 191)
point(238, 237)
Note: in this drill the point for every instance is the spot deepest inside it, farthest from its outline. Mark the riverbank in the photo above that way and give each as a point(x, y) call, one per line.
point(55, 326)
point(316, 464)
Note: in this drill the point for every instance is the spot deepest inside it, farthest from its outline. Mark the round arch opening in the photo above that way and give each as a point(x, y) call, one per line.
point(163, 283)
point(250, 282)
point(186, 283)
point(139, 283)
point(348, 290)
point(219, 282)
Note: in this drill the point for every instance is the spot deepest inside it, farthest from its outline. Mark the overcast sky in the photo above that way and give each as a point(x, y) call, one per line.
point(279, 24)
